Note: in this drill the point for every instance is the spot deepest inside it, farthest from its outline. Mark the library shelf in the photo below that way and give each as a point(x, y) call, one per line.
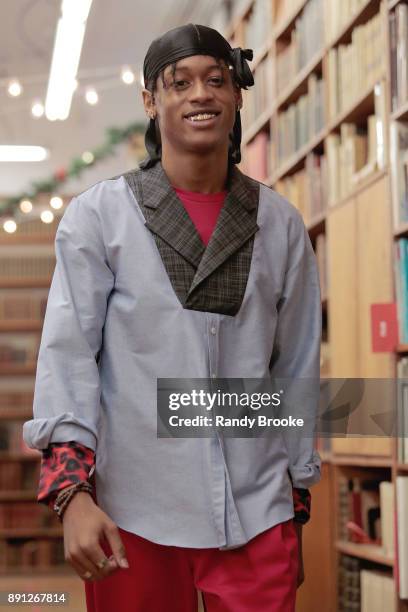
point(20, 325)
point(256, 127)
point(392, 4)
point(369, 552)
point(400, 113)
point(6, 457)
point(372, 178)
point(294, 162)
point(14, 239)
point(283, 29)
point(240, 17)
point(361, 460)
point(31, 532)
point(261, 53)
point(25, 283)
point(299, 85)
point(18, 495)
point(402, 348)
point(18, 369)
point(358, 109)
point(402, 467)
point(15, 413)
point(368, 10)
point(316, 225)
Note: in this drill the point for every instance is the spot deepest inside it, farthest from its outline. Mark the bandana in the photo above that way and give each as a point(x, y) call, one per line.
point(182, 42)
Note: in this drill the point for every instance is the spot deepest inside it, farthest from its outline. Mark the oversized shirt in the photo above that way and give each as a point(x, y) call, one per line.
point(135, 296)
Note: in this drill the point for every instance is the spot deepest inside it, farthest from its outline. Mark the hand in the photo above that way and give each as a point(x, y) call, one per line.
point(84, 524)
point(301, 573)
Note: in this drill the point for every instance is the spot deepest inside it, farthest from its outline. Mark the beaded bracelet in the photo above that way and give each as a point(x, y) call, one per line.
point(64, 497)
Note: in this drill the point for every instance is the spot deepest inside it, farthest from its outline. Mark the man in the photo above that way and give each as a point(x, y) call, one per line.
point(184, 268)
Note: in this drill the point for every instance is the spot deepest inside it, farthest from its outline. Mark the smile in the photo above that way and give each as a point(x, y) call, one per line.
point(202, 119)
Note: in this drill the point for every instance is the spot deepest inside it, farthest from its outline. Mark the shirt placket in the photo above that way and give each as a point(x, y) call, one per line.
point(225, 514)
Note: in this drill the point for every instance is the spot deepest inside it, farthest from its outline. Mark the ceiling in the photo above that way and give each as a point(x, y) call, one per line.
point(118, 33)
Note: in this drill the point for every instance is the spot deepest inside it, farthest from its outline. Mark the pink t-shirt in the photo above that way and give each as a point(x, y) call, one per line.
point(203, 209)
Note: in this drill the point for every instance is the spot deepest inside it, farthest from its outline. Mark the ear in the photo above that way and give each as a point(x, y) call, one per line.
point(149, 103)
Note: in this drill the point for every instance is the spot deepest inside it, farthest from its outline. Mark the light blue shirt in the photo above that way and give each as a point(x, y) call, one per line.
point(110, 295)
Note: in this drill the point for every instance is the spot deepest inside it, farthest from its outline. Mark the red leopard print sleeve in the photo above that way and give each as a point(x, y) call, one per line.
point(63, 464)
point(302, 500)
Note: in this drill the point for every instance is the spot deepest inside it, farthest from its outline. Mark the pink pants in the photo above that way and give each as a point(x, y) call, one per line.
point(258, 577)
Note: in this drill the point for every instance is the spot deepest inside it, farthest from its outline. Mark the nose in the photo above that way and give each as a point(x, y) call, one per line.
point(200, 91)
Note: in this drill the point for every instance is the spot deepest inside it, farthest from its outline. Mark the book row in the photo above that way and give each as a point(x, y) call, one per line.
point(19, 475)
point(26, 515)
point(20, 304)
point(21, 554)
point(363, 590)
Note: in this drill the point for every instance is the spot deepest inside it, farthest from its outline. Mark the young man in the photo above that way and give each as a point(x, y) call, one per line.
point(184, 268)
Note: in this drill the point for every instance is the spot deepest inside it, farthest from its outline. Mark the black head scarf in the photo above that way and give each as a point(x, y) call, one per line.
point(185, 41)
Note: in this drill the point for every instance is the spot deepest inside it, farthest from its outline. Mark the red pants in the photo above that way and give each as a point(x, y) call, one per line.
point(258, 577)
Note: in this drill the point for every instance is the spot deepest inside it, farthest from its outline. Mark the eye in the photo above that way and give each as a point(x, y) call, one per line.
point(217, 80)
point(180, 83)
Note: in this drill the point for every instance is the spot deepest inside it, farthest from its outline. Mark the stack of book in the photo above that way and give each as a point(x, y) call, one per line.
point(399, 172)
point(349, 594)
point(399, 55)
point(258, 99)
point(338, 14)
point(354, 68)
point(257, 26)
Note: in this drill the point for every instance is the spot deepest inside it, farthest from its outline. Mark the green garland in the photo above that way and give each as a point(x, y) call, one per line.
point(114, 136)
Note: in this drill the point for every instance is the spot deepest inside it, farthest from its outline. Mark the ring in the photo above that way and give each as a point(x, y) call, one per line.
point(87, 575)
point(101, 564)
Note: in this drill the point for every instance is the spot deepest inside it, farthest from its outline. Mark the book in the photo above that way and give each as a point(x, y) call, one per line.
point(377, 591)
point(402, 522)
point(399, 172)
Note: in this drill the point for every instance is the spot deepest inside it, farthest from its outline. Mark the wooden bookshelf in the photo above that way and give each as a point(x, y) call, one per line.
point(22, 303)
point(360, 272)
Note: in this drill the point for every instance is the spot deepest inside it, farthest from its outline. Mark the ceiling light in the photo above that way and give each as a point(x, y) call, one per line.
point(26, 206)
point(127, 75)
point(10, 226)
point(56, 202)
point(47, 216)
point(14, 89)
point(37, 109)
point(91, 96)
point(19, 153)
point(66, 55)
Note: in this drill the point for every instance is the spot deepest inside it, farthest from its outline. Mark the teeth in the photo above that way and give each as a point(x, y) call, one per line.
point(201, 117)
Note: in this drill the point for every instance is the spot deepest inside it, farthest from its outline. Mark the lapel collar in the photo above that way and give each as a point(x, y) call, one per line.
point(168, 218)
point(235, 225)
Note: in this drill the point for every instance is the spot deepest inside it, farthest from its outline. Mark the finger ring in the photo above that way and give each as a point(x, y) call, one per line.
point(87, 575)
point(101, 564)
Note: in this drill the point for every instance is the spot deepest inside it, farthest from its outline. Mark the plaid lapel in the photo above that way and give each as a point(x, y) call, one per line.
point(212, 278)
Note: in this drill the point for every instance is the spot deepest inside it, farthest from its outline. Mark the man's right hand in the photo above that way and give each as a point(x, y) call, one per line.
point(84, 525)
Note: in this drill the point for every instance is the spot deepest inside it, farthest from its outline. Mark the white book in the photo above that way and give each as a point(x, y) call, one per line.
point(402, 522)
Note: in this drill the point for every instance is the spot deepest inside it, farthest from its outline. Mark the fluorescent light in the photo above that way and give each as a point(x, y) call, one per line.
point(18, 153)
point(66, 55)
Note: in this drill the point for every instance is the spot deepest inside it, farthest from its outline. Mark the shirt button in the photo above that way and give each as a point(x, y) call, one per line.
point(213, 330)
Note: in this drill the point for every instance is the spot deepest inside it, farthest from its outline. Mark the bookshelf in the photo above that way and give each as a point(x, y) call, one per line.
point(341, 175)
point(31, 537)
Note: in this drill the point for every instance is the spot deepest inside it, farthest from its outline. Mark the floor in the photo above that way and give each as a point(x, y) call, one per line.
point(67, 583)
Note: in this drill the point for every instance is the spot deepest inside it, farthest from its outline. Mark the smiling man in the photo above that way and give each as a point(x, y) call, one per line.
point(186, 268)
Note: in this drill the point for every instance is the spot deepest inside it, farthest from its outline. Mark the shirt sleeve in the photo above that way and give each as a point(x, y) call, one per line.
point(301, 503)
point(296, 353)
point(67, 385)
point(63, 464)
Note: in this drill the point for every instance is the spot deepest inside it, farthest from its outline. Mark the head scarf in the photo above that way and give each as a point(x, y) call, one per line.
point(184, 41)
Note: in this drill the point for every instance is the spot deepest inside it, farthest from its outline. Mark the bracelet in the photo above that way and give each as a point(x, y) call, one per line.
point(64, 497)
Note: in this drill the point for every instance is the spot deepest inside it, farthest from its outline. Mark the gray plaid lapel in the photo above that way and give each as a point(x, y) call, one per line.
point(168, 218)
point(212, 278)
point(235, 225)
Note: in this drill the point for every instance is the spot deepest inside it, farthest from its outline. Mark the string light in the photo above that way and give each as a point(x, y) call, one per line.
point(87, 157)
point(47, 216)
point(10, 226)
point(127, 75)
point(26, 206)
point(14, 89)
point(56, 202)
point(91, 96)
point(37, 109)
